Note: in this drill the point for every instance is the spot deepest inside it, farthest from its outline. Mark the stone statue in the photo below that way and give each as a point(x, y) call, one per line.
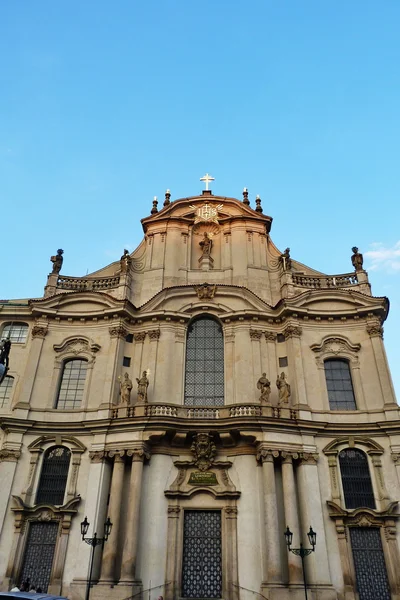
point(125, 262)
point(283, 388)
point(143, 384)
point(5, 346)
point(357, 259)
point(206, 244)
point(286, 260)
point(125, 388)
point(57, 261)
point(264, 385)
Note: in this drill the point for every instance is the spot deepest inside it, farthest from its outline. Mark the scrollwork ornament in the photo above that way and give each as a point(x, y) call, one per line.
point(255, 334)
point(204, 451)
point(375, 330)
point(270, 336)
point(97, 456)
point(39, 332)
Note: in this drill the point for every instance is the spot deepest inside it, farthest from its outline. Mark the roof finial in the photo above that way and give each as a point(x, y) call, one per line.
point(167, 198)
point(246, 196)
point(258, 204)
point(154, 210)
point(207, 178)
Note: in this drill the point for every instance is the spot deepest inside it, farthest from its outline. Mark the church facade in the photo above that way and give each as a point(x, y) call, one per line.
point(204, 393)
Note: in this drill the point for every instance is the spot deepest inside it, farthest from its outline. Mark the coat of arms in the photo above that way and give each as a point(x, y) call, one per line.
point(204, 451)
point(207, 213)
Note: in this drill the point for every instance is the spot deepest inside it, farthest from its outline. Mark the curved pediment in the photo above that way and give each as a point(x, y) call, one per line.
point(331, 302)
point(222, 299)
point(76, 303)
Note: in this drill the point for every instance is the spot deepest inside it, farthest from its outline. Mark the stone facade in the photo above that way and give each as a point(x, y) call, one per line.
point(267, 463)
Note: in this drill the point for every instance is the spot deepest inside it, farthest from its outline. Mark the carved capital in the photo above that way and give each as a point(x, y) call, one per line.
point(139, 336)
point(231, 512)
point(39, 331)
point(308, 458)
point(97, 456)
point(396, 458)
point(118, 331)
point(173, 511)
point(9, 455)
point(255, 334)
point(154, 334)
point(375, 330)
point(270, 336)
point(138, 454)
point(266, 455)
point(292, 331)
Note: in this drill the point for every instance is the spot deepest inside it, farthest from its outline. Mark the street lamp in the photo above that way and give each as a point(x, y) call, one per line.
point(302, 552)
point(93, 542)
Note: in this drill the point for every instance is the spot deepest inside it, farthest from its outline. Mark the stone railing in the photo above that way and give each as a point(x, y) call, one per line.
point(233, 411)
point(87, 283)
point(325, 281)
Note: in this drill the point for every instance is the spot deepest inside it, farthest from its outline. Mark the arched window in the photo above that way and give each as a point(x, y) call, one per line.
point(53, 477)
point(17, 331)
point(72, 384)
point(339, 384)
point(356, 479)
point(5, 390)
point(204, 374)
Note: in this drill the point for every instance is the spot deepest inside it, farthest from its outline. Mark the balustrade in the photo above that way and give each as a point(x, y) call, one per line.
point(325, 281)
point(87, 283)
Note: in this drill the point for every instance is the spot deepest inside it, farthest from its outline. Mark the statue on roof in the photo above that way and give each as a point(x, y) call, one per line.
point(57, 261)
point(125, 261)
point(206, 244)
point(286, 261)
point(357, 259)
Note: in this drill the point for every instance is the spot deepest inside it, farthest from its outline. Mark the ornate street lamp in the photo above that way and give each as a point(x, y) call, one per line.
point(93, 542)
point(302, 552)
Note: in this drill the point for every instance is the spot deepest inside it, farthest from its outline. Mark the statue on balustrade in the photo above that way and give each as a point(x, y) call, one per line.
point(57, 261)
point(283, 388)
point(5, 347)
point(286, 261)
point(125, 388)
point(125, 262)
point(143, 384)
point(264, 385)
point(357, 259)
point(206, 244)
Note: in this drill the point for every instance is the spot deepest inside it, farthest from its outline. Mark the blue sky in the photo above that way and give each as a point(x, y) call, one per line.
point(105, 104)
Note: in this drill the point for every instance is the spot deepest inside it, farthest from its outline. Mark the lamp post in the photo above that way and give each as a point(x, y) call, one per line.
point(93, 542)
point(302, 552)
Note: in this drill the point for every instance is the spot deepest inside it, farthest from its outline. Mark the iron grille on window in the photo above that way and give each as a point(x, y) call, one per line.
point(53, 478)
point(356, 479)
point(202, 554)
point(340, 387)
point(72, 384)
point(39, 554)
point(204, 375)
point(369, 563)
point(17, 332)
point(5, 390)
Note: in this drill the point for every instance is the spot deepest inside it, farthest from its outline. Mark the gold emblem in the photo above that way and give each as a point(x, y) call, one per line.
point(206, 213)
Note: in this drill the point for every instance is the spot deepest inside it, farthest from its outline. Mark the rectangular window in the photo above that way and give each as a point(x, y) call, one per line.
point(369, 563)
point(5, 391)
point(202, 554)
point(339, 385)
point(283, 361)
point(129, 338)
point(126, 361)
point(280, 338)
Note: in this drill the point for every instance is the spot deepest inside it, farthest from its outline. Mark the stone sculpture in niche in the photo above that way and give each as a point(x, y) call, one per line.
point(143, 384)
point(125, 262)
point(206, 244)
point(264, 385)
point(125, 385)
point(357, 259)
point(57, 261)
point(283, 388)
point(204, 451)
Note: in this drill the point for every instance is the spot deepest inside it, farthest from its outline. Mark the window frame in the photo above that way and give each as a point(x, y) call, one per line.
point(345, 361)
point(12, 324)
point(370, 472)
point(66, 475)
point(5, 403)
point(60, 382)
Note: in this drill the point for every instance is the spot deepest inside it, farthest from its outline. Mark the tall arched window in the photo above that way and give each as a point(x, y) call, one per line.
point(339, 384)
point(204, 374)
point(5, 390)
point(356, 479)
point(53, 477)
point(17, 331)
point(72, 384)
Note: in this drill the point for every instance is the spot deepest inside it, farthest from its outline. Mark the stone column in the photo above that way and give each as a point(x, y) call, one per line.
point(292, 335)
point(114, 367)
point(171, 574)
point(114, 512)
point(39, 332)
point(229, 376)
point(232, 566)
point(317, 565)
point(375, 331)
point(258, 368)
point(272, 533)
point(132, 516)
point(291, 515)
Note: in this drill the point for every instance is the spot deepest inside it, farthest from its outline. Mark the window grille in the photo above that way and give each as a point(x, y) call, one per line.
point(39, 554)
point(53, 478)
point(72, 384)
point(5, 390)
point(356, 479)
point(339, 385)
point(369, 563)
point(18, 332)
point(204, 373)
